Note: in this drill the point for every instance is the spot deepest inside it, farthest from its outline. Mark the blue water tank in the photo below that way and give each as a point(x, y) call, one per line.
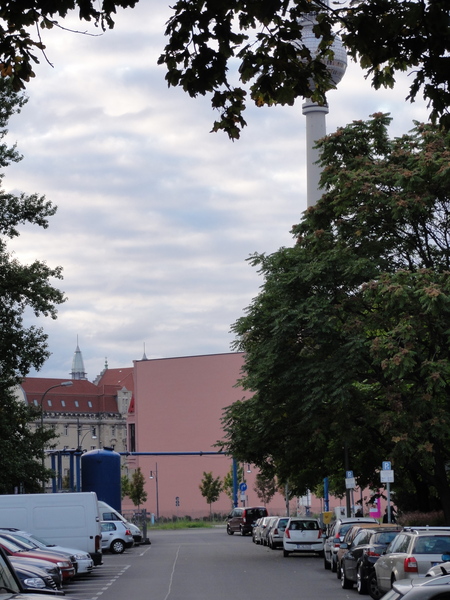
point(100, 473)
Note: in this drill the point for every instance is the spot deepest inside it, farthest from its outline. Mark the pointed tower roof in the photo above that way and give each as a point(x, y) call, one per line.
point(78, 371)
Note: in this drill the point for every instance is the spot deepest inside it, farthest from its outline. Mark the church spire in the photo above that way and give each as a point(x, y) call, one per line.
point(78, 371)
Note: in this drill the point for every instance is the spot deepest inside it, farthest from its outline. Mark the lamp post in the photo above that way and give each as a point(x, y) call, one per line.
point(79, 430)
point(155, 477)
point(41, 404)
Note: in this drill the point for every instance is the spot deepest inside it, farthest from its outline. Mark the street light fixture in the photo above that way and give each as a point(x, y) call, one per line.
point(80, 442)
point(155, 477)
point(41, 404)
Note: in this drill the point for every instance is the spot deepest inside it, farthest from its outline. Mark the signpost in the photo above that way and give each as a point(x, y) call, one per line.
point(387, 477)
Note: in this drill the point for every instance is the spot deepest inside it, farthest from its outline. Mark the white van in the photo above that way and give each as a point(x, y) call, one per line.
point(108, 513)
point(70, 520)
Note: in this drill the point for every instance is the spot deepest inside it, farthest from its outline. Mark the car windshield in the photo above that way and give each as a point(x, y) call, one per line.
point(432, 544)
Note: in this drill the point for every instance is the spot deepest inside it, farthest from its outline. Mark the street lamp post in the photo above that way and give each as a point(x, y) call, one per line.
point(155, 477)
point(79, 430)
point(41, 404)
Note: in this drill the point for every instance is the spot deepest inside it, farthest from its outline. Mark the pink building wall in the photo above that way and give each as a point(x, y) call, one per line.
point(178, 405)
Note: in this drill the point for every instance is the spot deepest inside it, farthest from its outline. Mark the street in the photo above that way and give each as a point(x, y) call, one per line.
point(207, 564)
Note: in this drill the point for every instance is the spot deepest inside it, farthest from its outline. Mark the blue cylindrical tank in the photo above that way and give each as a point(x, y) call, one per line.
point(100, 473)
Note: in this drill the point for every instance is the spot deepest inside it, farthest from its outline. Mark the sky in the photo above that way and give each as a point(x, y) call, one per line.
point(156, 215)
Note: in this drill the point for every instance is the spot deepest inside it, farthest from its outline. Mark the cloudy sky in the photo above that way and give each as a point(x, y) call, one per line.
point(157, 216)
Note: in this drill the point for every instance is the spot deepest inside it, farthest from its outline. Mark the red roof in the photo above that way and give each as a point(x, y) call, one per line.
point(82, 396)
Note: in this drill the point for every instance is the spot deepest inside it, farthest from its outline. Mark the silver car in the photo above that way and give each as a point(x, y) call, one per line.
point(116, 536)
point(411, 554)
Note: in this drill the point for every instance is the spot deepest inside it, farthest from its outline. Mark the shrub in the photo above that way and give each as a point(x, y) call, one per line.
point(421, 519)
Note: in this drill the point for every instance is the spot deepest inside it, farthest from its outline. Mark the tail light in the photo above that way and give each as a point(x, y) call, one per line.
point(320, 534)
point(275, 531)
point(410, 565)
point(127, 532)
point(98, 543)
point(371, 552)
point(286, 532)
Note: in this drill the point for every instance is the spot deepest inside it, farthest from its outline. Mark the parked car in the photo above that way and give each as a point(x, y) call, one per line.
point(13, 548)
point(116, 536)
point(83, 562)
point(361, 554)
point(48, 567)
point(335, 536)
point(276, 533)
point(266, 531)
point(302, 534)
point(411, 554)
point(442, 568)
point(242, 519)
point(33, 577)
point(258, 527)
point(352, 532)
point(430, 588)
point(12, 587)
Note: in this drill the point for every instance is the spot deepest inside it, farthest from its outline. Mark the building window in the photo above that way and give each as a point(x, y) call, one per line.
point(77, 403)
point(132, 437)
point(94, 431)
point(63, 402)
point(90, 404)
point(35, 402)
point(49, 402)
point(66, 430)
point(113, 430)
point(93, 448)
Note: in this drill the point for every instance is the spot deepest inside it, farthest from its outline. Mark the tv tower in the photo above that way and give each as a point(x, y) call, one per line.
point(315, 113)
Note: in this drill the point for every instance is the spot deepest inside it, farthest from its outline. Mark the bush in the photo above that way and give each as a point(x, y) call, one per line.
point(421, 519)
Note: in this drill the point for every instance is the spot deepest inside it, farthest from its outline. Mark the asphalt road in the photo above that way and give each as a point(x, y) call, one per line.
point(207, 564)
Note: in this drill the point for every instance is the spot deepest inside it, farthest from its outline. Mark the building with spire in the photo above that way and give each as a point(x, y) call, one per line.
point(78, 371)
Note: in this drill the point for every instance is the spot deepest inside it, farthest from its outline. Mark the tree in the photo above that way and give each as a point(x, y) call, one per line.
point(124, 486)
point(264, 39)
point(18, 47)
point(136, 488)
point(24, 289)
point(265, 488)
point(228, 481)
point(347, 345)
point(210, 489)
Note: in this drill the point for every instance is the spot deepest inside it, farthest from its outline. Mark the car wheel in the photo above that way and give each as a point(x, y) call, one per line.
point(326, 564)
point(361, 585)
point(372, 586)
point(346, 584)
point(338, 570)
point(117, 547)
point(333, 565)
point(229, 530)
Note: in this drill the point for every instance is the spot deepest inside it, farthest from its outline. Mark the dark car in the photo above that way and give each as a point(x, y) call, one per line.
point(34, 563)
point(242, 519)
point(35, 578)
point(361, 554)
point(11, 584)
point(335, 536)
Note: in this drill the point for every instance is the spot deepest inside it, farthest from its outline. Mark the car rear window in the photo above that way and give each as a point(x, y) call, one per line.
point(256, 513)
point(304, 525)
point(432, 544)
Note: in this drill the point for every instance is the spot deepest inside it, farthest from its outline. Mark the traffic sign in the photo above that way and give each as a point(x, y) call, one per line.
point(387, 476)
point(386, 465)
point(348, 474)
point(243, 486)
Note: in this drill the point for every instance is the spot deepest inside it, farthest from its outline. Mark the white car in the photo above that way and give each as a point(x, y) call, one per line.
point(84, 562)
point(303, 534)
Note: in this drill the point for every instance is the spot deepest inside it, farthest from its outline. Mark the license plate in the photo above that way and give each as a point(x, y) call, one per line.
point(303, 547)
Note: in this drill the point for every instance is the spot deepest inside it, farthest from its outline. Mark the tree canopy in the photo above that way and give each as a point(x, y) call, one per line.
point(347, 344)
point(238, 48)
point(24, 290)
point(23, 21)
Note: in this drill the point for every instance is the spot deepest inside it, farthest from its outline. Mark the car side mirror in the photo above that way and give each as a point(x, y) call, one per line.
point(344, 546)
